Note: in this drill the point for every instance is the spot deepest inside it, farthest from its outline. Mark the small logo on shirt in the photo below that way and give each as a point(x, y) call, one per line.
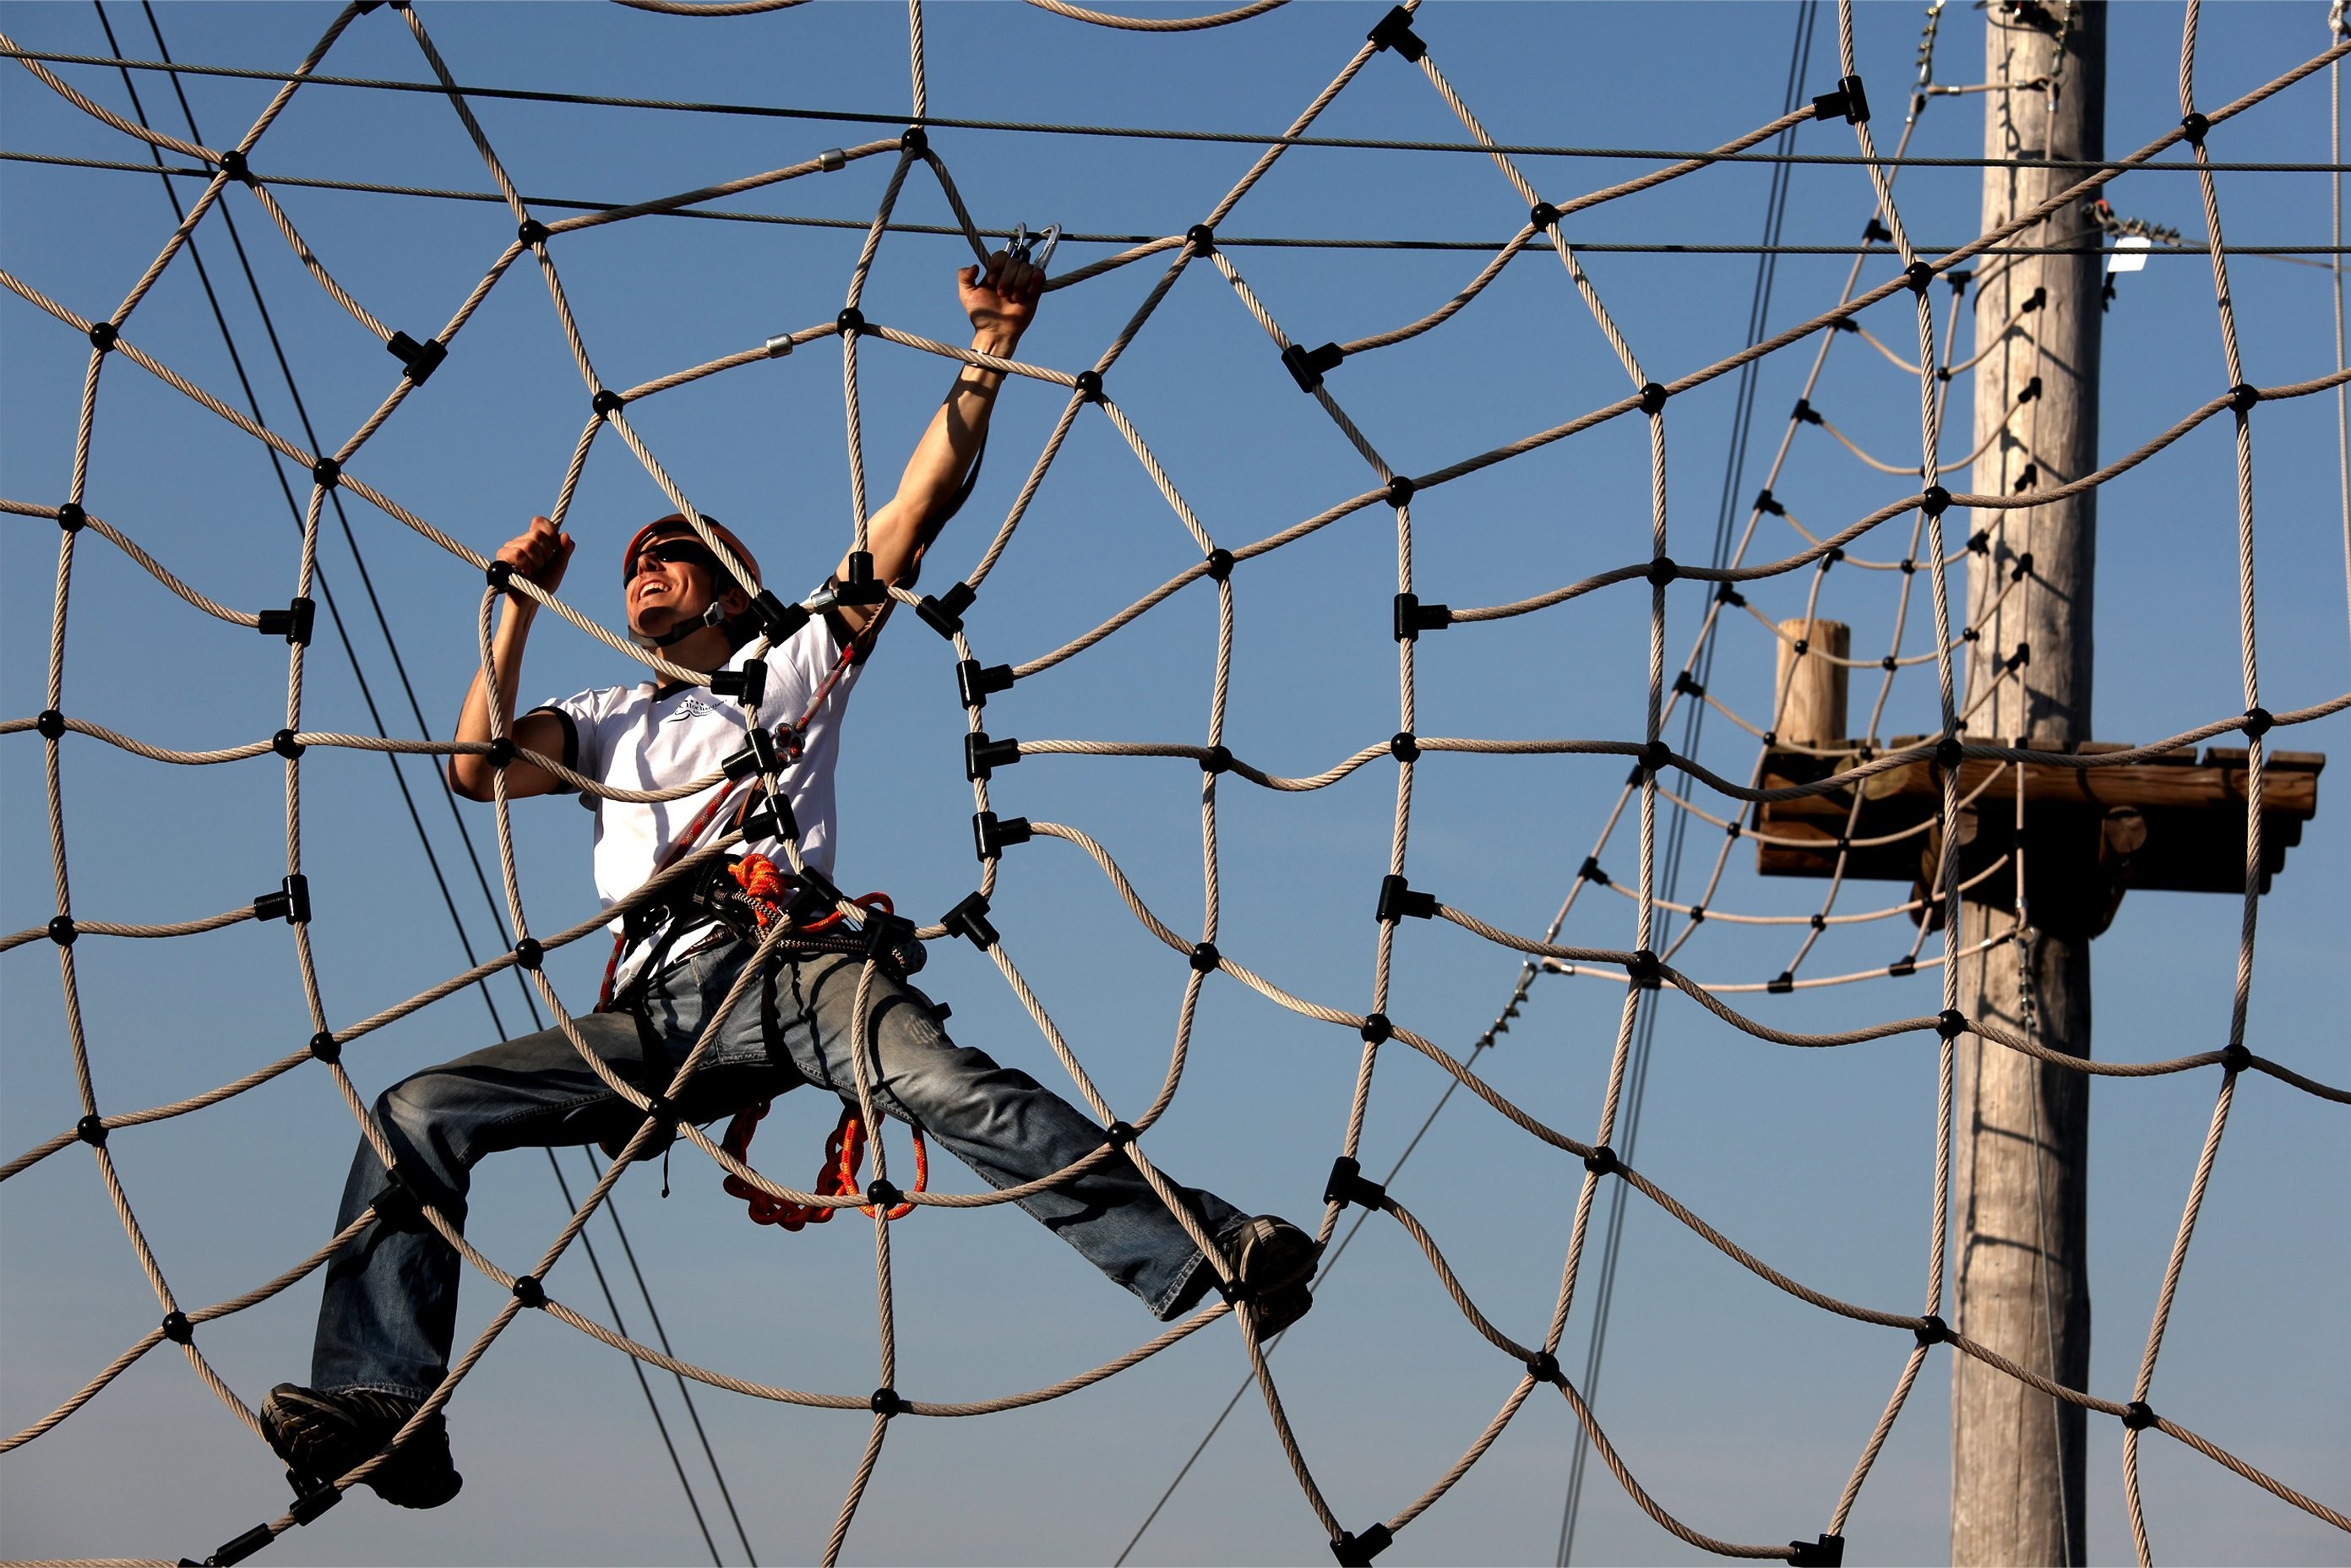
point(692, 708)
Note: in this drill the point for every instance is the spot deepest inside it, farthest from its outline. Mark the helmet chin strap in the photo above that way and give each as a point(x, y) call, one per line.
point(710, 616)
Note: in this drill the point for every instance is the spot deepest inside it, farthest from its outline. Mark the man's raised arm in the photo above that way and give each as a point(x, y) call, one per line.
point(540, 554)
point(1002, 302)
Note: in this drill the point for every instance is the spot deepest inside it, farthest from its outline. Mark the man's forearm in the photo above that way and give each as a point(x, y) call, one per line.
point(474, 721)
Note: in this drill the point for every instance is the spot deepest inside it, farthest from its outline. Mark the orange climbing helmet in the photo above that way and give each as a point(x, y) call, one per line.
point(676, 522)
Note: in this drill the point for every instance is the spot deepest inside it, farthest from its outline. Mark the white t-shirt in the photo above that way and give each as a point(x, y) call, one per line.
point(655, 737)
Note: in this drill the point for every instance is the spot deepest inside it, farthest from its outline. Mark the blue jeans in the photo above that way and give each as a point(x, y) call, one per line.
point(391, 1306)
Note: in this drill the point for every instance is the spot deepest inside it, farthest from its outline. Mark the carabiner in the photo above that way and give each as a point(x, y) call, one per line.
point(1036, 249)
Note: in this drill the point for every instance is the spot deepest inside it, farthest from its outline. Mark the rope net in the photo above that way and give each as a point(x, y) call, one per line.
point(1912, 536)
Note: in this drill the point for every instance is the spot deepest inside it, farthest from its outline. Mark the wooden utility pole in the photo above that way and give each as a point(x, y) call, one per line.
point(2022, 1128)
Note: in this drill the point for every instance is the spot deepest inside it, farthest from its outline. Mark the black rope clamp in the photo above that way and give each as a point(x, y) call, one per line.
point(970, 918)
point(1602, 1161)
point(1376, 1028)
point(915, 143)
point(777, 621)
point(1090, 386)
point(850, 322)
point(1848, 102)
point(815, 898)
point(1936, 502)
point(70, 518)
point(1947, 753)
point(1906, 965)
point(233, 164)
point(748, 686)
point(2193, 126)
point(312, 1497)
point(1118, 1134)
point(286, 745)
point(1200, 240)
point(1394, 32)
point(51, 724)
point(880, 1194)
point(982, 756)
point(1828, 1551)
point(177, 1329)
point(1653, 397)
point(1544, 1367)
point(1590, 871)
point(1220, 565)
point(293, 623)
point(978, 681)
point(1347, 1185)
point(1657, 757)
point(2137, 1415)
point(291, 902)
point(1218, 759)
point(1413, 617)
point(1306, 366)
point(771, 819)
point(860, 586)
point(1950, 1023)
point(528, 953)
point(1351, 1549)
point(992, 835)
point(1919, 276)
point(1932, 1330)
point(1398, 902)
point(1645, 970)
point(1805, 410)
point(2243, 396)
point(944, 612)
point(1781, 984)
point(530, 231)
point(1873, 231)
point(243, 1547)
point(91, 1130)
point(1403, 746)
point(1542, 214)
point(420, 359)
point(1205, 958)
point(2235, 1059)
point(327, 471)
point(758, 755)
point(1400, 490)
point(326, 1047)
point(103, 336)
point(606, 401)
point(885, 1402)
point(529, 1291)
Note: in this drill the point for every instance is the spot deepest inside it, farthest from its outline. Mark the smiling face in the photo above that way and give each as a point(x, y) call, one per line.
point(671, 580)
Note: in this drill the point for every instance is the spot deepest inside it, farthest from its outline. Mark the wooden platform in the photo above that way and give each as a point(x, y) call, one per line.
point(2173, 823)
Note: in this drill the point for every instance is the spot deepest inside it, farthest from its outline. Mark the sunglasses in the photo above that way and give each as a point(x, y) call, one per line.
point(675, 553)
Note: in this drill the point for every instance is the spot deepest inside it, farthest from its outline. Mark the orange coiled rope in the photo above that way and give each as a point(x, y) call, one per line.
point(844, 1152)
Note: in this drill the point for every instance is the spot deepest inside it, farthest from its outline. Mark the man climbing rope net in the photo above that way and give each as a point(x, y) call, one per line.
point(389, 1316)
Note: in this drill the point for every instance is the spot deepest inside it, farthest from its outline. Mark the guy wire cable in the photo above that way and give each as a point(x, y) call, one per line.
point(1734, 469)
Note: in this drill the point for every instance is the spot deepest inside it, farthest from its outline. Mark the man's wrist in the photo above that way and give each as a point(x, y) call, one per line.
point(998, 344)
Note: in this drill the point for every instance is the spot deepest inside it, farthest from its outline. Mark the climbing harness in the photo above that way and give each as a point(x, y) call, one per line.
point(844, 1153)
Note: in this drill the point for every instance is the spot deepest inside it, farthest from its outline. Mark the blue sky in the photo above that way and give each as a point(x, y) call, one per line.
point(1741, 1408)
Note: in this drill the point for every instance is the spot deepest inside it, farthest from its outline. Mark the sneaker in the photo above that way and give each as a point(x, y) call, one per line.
point(1275, 1260)
point(325, 1435)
